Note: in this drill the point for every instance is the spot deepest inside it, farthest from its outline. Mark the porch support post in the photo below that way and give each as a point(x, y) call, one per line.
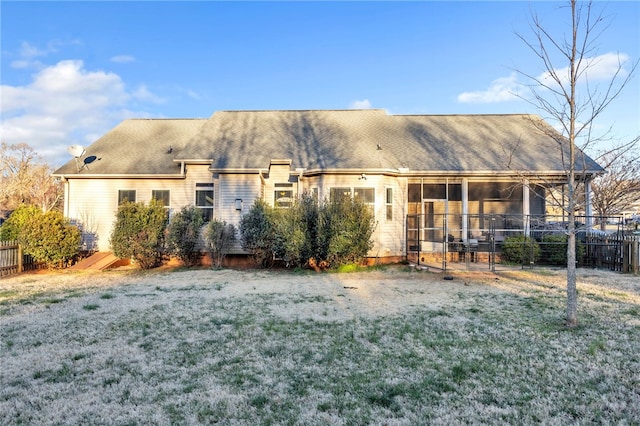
point(588, 207)
point(526, 209)
point(465, 208)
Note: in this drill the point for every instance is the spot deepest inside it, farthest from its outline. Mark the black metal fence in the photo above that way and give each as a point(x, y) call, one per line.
point(528, 240)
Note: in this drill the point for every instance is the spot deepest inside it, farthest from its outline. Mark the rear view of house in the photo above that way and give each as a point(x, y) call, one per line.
point(429, 179)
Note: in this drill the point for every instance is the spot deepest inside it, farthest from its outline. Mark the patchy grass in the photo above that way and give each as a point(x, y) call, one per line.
point(381, 347)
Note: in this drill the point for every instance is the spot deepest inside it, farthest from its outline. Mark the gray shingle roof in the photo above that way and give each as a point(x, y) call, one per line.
point(331, 139)
point(138, 146)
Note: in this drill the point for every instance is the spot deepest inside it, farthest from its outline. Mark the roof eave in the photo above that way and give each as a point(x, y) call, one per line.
point(119, 176)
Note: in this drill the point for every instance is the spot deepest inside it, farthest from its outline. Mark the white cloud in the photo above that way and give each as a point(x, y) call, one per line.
point(597, 68)
point(503, 89)
point(192, 94)
point(28, 50)
point(24, 64)
point(123, 59)
point(142, 93)
point(363, 104)
point(62, 104)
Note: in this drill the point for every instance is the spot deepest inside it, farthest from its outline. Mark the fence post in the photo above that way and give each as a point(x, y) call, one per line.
point(20, 259)
point(635, 255)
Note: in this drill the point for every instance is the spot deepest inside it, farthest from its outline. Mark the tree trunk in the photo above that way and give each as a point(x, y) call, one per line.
point(572, 291)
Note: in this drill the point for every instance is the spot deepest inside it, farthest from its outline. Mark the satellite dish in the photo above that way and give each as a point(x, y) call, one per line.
point(76, 150)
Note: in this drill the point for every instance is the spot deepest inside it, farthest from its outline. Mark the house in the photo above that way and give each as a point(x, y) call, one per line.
point(428, 178)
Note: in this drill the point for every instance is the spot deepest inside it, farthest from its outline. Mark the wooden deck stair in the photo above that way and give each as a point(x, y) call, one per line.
point(100, 261)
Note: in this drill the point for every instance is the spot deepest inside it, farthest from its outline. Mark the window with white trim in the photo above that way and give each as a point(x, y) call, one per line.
point(365, 195)
point(126, 196)
point(283, 195)
point(204, 200)
point(163, 196)
point(388, 203)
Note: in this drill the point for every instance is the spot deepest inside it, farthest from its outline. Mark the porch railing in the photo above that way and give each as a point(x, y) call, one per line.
point(439, 239)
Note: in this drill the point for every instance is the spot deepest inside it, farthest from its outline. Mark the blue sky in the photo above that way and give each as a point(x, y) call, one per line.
point(73, 70)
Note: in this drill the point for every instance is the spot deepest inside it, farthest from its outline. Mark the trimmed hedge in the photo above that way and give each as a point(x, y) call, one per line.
point(139, 233)
point(50, 238)
point(330, 234)
point(554, 249)
point(183, 234)
point(218, 237)
point(521, 249)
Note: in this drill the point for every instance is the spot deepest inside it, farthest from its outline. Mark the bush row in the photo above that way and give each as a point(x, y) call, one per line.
point(143, 232)
point(552, 249)
point(309, 234)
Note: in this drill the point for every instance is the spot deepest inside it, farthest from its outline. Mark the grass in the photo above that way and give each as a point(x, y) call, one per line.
point(192, 353)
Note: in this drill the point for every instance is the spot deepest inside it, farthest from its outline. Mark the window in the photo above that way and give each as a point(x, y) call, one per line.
point(388, 201)
point(338, 193)
point(161, 195)
point(283, 195)
point(364, 195)
point(126, 196)
point(204, 200)
point(283, 198)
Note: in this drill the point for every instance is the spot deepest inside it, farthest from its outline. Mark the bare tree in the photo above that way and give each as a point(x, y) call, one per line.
point(571, 101)
point(25, 178)
point(619, 188)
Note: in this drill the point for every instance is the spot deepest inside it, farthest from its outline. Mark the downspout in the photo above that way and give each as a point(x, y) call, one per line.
point(526, 209)
point(66, 197)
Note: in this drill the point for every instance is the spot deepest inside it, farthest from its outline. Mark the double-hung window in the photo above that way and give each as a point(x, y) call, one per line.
point(364, 195)
point(336, 194)
point(367, 196)
point(283, 195)
point(204, 200)
point(388, 202)
point(126, 196)
point(163, 196)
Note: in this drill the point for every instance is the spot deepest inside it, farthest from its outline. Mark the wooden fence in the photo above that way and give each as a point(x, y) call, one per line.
point(617, 252)
point(13, 261)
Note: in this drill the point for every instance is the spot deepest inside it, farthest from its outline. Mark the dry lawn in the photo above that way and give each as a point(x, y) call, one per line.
point(384, 347)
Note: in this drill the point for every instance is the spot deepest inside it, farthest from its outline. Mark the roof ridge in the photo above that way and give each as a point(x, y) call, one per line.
point(303, 110)
point(466, 115)
point(165, 119)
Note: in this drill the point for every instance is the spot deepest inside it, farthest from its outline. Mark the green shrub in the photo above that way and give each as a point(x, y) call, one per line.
point(332, 234)
point(554, 249)
point(258, 233)
point(138, 233)
point(10, 229)
point(183, 235)
point(50, 238)
point(218, 237)
point(296, 231)
point(344, 232)
point(521, 249)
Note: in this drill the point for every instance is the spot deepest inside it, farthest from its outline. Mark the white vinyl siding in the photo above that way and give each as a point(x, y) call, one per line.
point(232, 187)
point(98, 213)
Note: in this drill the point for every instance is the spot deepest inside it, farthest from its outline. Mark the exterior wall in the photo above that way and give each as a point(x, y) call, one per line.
point(93, 203)
point(229, 188)
point(388, 236)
